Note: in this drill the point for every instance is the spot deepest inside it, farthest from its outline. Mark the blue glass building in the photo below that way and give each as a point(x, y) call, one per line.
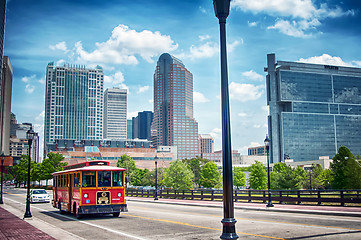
point(314, 109)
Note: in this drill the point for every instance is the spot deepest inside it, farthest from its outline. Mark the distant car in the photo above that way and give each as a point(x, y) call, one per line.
point(39, 195)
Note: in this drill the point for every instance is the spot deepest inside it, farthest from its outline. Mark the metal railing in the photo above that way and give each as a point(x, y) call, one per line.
point(331, 197)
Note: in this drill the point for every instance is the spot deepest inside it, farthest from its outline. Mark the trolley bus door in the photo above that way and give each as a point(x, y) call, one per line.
point(70, 189)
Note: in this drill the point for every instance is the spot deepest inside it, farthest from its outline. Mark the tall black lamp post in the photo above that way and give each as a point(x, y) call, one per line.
point(267, 142)
point(221, 9)
point(156, 177)
point(30, 134)
point(2, 173)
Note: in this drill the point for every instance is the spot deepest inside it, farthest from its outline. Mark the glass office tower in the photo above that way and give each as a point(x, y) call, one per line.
point(314, 109)
point(173, 123)
point(73, 103)
point(115, 113)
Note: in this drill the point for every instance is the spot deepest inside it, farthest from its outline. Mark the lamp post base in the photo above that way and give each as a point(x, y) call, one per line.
point(269, 204)
point(229, 229)
point(1, 201)
point(27, 215)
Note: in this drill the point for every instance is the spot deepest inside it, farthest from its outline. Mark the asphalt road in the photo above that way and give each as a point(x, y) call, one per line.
point(165, 221)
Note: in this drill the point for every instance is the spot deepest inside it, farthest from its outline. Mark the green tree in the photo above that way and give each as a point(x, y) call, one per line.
point(178, 176)
point(128, 163)
point(195, 165)
point(53, 163)
point(239, 177)
point(258, 176)
point(210, 175)
point(346, 171)
point(21, 169)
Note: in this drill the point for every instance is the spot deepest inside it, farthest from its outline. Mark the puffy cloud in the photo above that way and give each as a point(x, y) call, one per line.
point(59, 46)
point(27, 79)
point(326, 59)
point(124, 44)
point(244, 150)
point(130, 115)
point(199, 98)
point(204, 37)
point(116, 79)
point(143, 89)
point(252, 24)
point(245, 92)
point(216, 133)
point(29, 88)
point(242, 114)
point(252, 75)
point(305, 13)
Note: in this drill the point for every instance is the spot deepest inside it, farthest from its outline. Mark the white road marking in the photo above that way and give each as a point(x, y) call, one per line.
point(87, 223)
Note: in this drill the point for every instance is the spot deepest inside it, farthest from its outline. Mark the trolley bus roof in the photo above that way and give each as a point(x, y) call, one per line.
point(91, 168)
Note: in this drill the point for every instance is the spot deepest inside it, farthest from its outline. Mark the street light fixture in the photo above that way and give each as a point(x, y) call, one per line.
point(2, 173)
point(30, 135)
point(221, 9)
point(267, 143)
point(156, 177)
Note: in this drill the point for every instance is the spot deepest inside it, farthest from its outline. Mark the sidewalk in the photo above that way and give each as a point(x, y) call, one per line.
point(12, 227)
point(307, 209)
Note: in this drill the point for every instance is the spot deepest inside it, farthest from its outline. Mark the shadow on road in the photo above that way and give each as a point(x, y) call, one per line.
point(323, 235)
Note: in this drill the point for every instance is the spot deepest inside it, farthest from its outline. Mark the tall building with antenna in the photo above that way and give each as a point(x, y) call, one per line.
point(173, 122)
point(73, 103)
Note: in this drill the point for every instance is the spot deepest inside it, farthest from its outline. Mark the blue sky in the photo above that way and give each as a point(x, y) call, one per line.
point(127, 37)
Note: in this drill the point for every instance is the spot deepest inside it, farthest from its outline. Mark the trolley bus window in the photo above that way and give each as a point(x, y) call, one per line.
point(76, 179)
point(104, 179)
point(88, 179)
point(117, 179)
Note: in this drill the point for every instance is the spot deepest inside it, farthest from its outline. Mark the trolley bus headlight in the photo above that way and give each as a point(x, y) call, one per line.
point(85, 195)
point(119, 194)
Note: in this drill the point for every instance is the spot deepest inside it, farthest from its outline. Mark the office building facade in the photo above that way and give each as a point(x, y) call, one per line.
point(5, 104)
point(142, 125)
point(314, 109)
point(73, 103)
point(3, 114)
point(206, 143)
point(115, 113)
point(173, 122)
point(129, 128)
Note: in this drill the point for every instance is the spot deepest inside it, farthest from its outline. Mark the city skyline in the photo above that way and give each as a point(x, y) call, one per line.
point(127, 39)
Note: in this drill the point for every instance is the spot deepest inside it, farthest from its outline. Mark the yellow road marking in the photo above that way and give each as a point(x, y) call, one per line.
point(191, 225)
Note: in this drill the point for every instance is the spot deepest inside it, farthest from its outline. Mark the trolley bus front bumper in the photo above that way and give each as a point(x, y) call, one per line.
point(103, 209)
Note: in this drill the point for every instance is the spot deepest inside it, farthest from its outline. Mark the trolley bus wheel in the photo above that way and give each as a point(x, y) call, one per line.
point(76, 212)
point(116, 214)
point(59, 206)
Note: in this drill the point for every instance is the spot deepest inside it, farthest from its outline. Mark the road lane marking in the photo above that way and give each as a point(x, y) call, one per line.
point(191, 225)
point(274, 222)
point(87, 223)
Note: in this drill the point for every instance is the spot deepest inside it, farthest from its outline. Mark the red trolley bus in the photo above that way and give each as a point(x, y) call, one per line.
point(90, 188)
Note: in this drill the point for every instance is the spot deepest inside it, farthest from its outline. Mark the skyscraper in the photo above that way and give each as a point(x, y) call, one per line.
point(206, 143)
point(173, 122)
point(314, 109)
point(2, 90)
point(73, 103)
point(5, 104)
point(142, 125)
point(115, 113)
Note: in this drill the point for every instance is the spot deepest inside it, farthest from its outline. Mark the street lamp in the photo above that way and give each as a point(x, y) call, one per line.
point(221, 9)
point(156, 177)
point(30, 135)
point(2, 173)
point(267, 142)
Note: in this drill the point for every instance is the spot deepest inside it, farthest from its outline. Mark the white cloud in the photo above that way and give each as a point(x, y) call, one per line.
point(130, 115)
point(143, 89)
point(357, 63)
point(40, 117)
point(202, 9)
point(60, 62)
point(257, 125)
point(204, 37)
point(29, 88)
point(252, 75)
point(252, 24)
point(116, 79)
point(42, 80)
point(242, 114)
point(125, 44)
point(59, 46)
point(305, 14)
point(266, 109)
point(216, 133)
point(151, 101)
point(199, 98)
point(27, 79)
point(207, 50)
point(245, 92)
point(326, 59)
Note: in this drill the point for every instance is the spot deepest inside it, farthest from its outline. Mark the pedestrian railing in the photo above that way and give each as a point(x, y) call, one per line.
point(329, 197)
